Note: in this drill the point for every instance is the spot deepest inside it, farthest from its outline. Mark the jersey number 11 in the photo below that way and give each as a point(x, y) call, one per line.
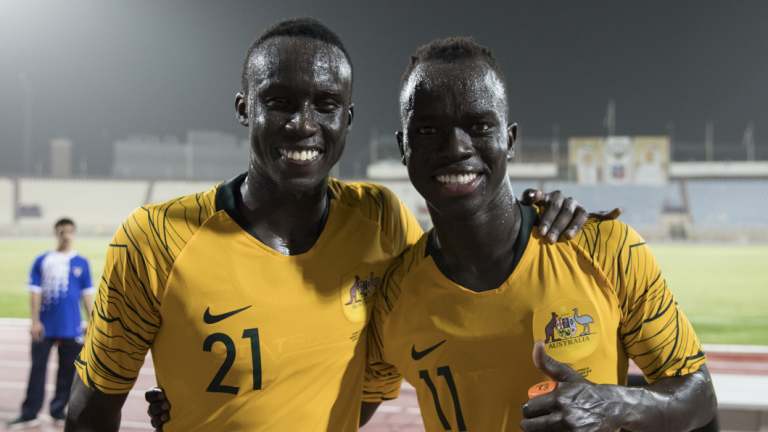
point(445, 372)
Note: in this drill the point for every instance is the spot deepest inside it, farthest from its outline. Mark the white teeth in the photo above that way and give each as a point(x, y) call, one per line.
point(457, 178)
point(303, 155)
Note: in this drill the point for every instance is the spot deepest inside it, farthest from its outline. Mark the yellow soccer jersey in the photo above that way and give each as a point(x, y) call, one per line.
point(242, 337)
point(596, 301)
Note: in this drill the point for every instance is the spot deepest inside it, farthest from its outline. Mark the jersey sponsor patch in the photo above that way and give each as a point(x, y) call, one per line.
point(568, 329)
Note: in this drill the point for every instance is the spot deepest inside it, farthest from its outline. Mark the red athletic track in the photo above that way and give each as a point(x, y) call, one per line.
point(399, 415)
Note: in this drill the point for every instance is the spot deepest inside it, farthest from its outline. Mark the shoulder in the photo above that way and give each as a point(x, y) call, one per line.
point(166, 227)
point(192, 210)
point(402, 273)
point(370, 199)
point(606, 238)
point(610, 246)
point(39, 259)
point(380, 206)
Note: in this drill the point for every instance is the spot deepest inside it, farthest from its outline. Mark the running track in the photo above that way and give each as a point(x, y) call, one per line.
point(740, 376)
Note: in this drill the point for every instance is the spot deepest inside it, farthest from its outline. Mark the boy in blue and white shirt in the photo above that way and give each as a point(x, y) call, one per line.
point(58, 282)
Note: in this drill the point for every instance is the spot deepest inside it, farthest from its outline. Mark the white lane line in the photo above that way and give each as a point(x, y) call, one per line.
point(125, 423)
point(735, 349)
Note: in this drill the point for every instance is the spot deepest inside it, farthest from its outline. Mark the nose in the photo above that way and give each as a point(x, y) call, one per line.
point(302, 122)
point(458, 145)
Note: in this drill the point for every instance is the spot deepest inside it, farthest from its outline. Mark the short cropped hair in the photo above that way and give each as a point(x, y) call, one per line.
point(452, 50)
point(64, 221)
point(296, 27)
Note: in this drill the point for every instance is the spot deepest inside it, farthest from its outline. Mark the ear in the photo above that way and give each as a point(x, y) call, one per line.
point(511, 138)
point(241, 108)
point(401, 146)
point(351, 114)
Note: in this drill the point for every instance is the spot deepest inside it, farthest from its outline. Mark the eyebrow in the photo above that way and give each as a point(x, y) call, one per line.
point(483, 113)
point(426, 117)
point(319, 89)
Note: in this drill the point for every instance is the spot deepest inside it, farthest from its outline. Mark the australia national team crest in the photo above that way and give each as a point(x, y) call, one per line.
point(568, 329)
point(357, 295)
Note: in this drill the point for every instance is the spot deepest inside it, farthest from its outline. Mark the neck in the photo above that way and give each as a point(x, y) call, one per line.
point(477, 251)
point(289, 221)
point(63, 248)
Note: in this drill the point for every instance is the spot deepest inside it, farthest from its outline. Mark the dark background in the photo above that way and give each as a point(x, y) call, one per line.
point(98, 71)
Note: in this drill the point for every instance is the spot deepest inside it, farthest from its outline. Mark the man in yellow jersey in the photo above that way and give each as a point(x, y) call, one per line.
point(253, 295)
point(459, 313)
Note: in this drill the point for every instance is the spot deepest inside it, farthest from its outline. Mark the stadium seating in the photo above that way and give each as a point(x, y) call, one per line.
point(718, 209)
point(98, 205)
point(137, 159)
point(165, 190)
point(642, 205)
point(219, 162)
point(738, 203)
point(6, 202)
point(205, 155)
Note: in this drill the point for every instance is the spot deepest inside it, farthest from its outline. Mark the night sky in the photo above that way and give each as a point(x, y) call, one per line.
point(99, 70)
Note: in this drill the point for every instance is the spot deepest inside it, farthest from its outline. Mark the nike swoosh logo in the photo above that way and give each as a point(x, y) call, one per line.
point(213, 319)
point(418, 355)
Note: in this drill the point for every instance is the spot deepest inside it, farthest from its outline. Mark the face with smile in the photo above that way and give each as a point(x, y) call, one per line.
point(297, 108)
point(455, 137)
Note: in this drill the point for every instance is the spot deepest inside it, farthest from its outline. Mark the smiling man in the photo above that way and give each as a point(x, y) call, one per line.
point(254, 295)
point(459, 314)
point(246, 293)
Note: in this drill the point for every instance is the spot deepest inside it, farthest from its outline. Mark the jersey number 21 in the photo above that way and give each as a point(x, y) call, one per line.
point(216, 385)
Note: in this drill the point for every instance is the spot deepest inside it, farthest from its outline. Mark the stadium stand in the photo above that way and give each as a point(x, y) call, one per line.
point(696, 209)
point(219, 162)
point(97, 205)
point(205, 155)
point(715, 203)
point(642, 205)
point(6, 202)
point(165, 190)
point(139, 158)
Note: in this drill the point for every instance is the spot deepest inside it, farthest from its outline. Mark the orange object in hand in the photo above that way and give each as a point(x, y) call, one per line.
point(541, 389)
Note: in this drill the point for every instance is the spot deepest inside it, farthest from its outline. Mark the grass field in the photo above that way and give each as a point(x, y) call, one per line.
point(722, 288)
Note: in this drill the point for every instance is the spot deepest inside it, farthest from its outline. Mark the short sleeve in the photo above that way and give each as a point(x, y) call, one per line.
point(381, 383)
point(382, 379)
point(655, 333)
point(399, 223)
point(125, 313)
point(36, 275)
point(86, 285)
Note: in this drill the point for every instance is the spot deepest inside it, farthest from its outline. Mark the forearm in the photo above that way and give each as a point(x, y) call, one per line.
point(88, 304)
point(670, 404)
point(34, 306)
point(93, 411)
